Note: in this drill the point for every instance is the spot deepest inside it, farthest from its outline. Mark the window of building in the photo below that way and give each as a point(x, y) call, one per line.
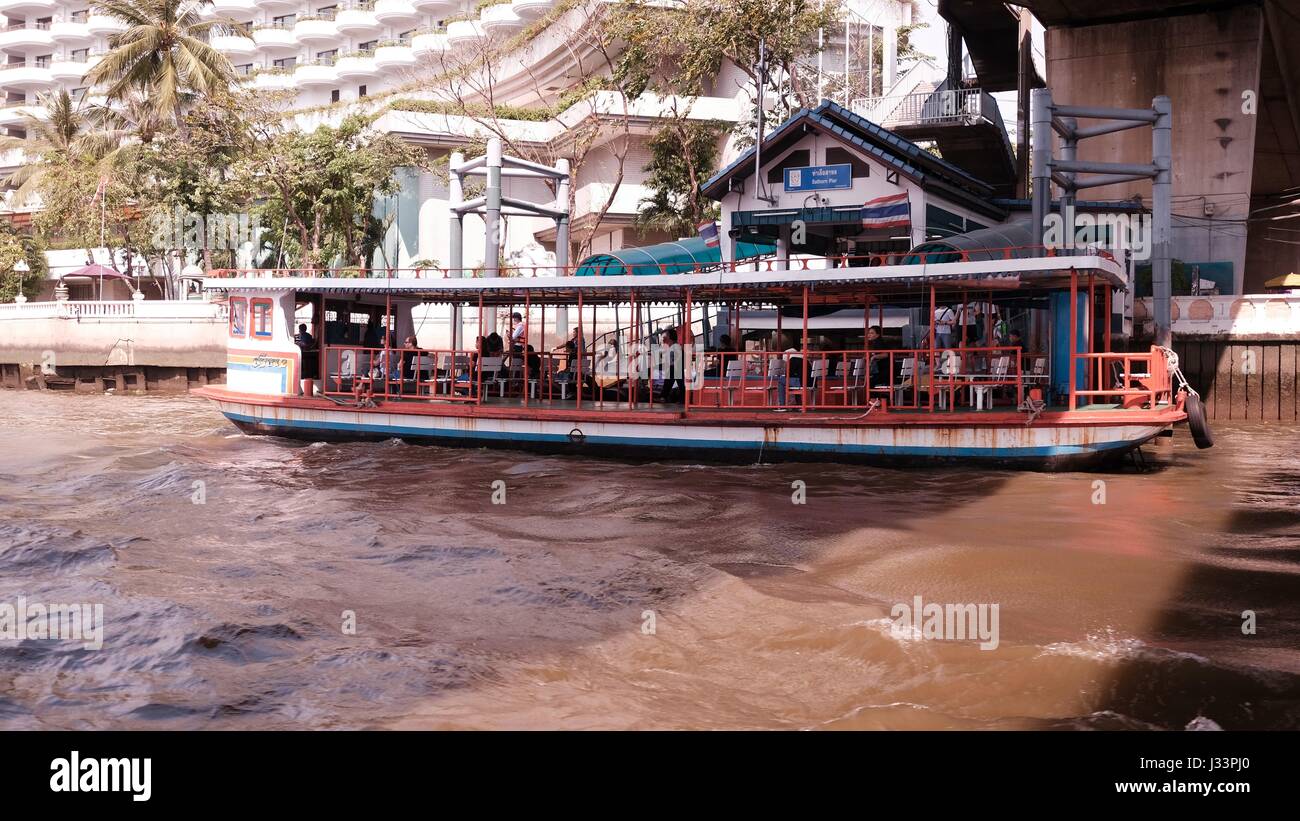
point(361, 91)
point(43, 60)
point(78, 94)
point(79, 16)
point(406, 35)
point(244, 69)
point(326, 56)
point(284, 62)
point(284, 20)
point(334, 96)
point(368, 45)
point(79, 55)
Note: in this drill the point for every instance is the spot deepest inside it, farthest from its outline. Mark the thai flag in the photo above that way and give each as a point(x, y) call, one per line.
point(893, 211)
point(709, 233)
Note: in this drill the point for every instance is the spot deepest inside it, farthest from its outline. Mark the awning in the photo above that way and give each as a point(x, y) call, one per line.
point(685, 256)
point(96, 270)
point(1291, 280)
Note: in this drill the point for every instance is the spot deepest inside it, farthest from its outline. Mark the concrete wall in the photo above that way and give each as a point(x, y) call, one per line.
point(1204, 63)
point(128, 333)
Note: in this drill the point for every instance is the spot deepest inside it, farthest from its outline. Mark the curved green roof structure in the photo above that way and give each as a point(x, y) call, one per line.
point(686, 256)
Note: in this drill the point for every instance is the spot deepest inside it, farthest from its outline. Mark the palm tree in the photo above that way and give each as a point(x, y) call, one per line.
point(68, 130)
point(164, 51)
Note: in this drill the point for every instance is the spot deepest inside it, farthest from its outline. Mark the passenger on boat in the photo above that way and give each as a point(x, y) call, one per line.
point(945, 318)
point(793, 376)
point(674, 389)
point(411, 352)
point(310, 359)
point(373, 338)
point(388, 363)
point(518, 333)
point(534, 361)
point(303, 339)
point(878, 364)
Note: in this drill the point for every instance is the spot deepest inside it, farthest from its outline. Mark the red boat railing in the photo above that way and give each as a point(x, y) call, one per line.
point(1134, 379)
point(794, 263)
point(853, 379)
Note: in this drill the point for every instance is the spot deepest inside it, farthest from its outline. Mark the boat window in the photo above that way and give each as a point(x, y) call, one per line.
point(262, 318)
point(238, 317)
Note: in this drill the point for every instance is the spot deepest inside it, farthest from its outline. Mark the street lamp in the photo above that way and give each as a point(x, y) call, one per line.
point(21, 268)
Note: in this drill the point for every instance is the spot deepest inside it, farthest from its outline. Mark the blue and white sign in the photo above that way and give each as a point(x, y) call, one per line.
point(819, 177)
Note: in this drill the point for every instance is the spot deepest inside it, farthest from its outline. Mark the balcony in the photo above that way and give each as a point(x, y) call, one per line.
point(358, 18)
point(70, 31)
point(18, 113)
point(278, 5)
point(26, 8)
point(357, 66)
point(437, 8)
point(28, 76)
point(67, 68)
point(394, 56)
point(239, 9)
point(102, 24)
point(532, 9)
point(275, 37)
point(500, 19)
point(429, 44)
point(274, 79)
point(396, 12)
point(235, 43)
point(316, 30)
point(26, 35)
point(316, 73)
point(463, 33)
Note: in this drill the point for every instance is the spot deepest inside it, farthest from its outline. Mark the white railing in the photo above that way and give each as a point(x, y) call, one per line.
point(962, 106)
point(1246, 315)
point(127, 309)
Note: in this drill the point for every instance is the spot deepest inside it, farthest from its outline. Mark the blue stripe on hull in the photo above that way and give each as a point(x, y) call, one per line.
point(1045, 451)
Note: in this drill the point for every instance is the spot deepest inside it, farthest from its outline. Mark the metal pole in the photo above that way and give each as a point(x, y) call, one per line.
point(455, 246)
point(1041, 117)
point(562, 224)
point(1162, 149)
point(492, 210)
point(1069, 153)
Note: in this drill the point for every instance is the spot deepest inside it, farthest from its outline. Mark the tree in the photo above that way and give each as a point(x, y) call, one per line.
point(14, 247)
point(683, 153)
point(163, 51)
point(68, 130)
point(318, 188)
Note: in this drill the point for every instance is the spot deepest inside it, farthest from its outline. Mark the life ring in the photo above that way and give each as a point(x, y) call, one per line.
point(1197, 423)
point(577, 437)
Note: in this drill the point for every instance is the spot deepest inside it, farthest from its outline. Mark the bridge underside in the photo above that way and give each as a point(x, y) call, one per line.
point(1233, 74)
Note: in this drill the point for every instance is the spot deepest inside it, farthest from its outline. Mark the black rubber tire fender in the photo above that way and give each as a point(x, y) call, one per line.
point(1197, 423)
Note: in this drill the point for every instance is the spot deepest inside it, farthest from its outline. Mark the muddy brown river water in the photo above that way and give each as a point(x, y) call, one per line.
point(602, 594)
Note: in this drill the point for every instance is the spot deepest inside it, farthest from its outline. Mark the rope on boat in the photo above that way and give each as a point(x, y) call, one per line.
point(1171, 362)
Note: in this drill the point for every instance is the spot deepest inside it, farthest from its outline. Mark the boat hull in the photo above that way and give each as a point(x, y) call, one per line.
point(1043, 446)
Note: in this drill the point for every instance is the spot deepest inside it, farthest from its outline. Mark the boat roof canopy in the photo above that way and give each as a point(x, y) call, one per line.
point(680, 257)
point(775, 284)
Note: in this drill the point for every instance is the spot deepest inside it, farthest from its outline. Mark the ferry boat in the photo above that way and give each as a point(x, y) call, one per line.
point(629, 363)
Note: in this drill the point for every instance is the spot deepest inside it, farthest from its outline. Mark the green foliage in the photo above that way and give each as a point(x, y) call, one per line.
point(164, 51)
point(13, 247)
point(318, 190)
point(683, 153)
